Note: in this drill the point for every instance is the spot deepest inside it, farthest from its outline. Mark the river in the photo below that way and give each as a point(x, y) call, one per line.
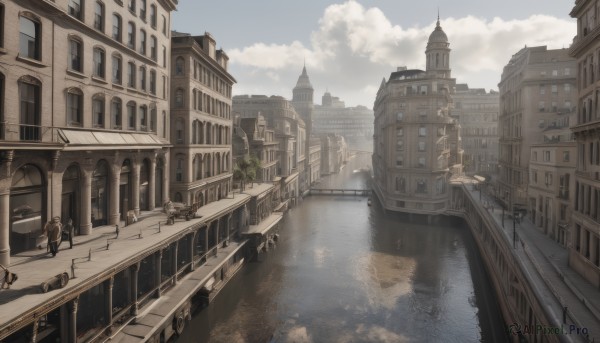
point(343, 271)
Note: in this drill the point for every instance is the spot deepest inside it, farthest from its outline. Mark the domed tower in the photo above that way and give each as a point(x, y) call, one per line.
point(438, 52)
point(303, 99)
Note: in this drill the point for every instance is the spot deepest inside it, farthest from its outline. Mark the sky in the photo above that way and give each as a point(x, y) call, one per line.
point(350, 46)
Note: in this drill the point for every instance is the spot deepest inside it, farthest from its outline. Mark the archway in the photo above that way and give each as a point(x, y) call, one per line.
point(27, 208)
point(71, 196)
point(100, 194)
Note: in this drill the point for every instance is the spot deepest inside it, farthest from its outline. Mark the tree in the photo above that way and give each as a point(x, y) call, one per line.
point(245, 170)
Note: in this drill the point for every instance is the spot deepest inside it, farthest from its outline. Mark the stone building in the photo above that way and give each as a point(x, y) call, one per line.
point(537, 96)
point(313, 173)
point(289, 133)
point(551, 188)
point(584, 250)
point(302, 101)
point(262, 145)
point(477, 113)
point(334, 153)
point(201, 161)
point(415, 139)
point(84, 124)
point(354, 123)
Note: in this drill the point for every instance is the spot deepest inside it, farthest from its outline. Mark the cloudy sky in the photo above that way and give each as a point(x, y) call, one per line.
point(349, 46)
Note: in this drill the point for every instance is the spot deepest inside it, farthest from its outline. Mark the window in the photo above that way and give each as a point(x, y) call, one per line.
point(153, 82)
point(567, 71)
point(421, 186)
point(399, 144)
point(421, 162)
point(179, 98)
point(131, 120)
point(542, 106)
point(164, 57)
point(565, 156)
point(567, 87)
point(131, 75)
point(179, 66)
point(555, 73)
point(131, 6)
point(399, 116)
point(542, 89)
point(179, 171)
point(99, 16)
point(567, 105)
point(399, 160)
point(164, 28)
point(116, 70)
point(143, 118)
point(29, 107)
point(548, 179)
point(554, 106)
point(115, 109)
point(153, 119)
point(546, 156)
point(422, 131)
point(153, 15)
point(116, 31)
point(75, 55)
point(131, 35)
point(143, 9)
point(98, 112)
point(143, 78)
point(179, 131)
point(74, 107)
point(153, 53)
point(75, 8)
point(421, 146)
point(142, 42)
point(29, 38)
point(554, 89)
point(99, 62)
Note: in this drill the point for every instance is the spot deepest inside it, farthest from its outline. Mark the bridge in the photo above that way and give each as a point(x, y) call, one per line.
point(339, 191)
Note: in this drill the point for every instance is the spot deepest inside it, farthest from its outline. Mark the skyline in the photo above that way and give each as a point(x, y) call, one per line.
point(371, 41)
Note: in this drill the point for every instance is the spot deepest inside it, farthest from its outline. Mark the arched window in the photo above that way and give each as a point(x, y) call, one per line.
point(179, 98)
point(116, 30)
point(179, 66)
point(98, 111)
point(131, 116)
point(153, 82)
point(142, 42)
point(143, 9)
point(153, 15)
point(131, 35)
point(179, 131)
point(179, 169)
point(116, 114)
point(75, 9)
point(437, 60)
point(143, 118)
point(153, 51)
point(117, 69)
point(74, 107)
point(153, 118)
point(30, 38)
point(131, 75)
point(99, 63)
point(164, 123)
point(143, 78)
point(75, 54)
point(99, 16)
point(131, 6)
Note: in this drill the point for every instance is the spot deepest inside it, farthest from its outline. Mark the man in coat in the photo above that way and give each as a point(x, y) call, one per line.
point(54, 235)
point(69, 232)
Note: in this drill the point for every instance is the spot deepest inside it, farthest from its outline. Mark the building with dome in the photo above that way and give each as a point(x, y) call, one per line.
point(417, 146)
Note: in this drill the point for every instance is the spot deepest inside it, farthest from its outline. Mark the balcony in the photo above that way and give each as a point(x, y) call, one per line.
point(26, 134)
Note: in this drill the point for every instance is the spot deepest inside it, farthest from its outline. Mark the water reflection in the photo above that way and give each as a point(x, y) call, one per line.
point(345, 272)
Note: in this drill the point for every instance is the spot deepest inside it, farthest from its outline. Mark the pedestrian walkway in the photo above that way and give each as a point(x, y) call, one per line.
point(93, 256)
point(549, 261)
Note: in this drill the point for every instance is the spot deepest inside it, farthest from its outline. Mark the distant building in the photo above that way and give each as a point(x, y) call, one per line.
point(477, 113)
point(354, 123)
point(334, 153)
point(201, 128)
point(416, 144)
point(537, 96)
point(290, 135)
point(302, 101)
point(263, 146)
point(85, 115)
point(584, 247)
point(314, 161)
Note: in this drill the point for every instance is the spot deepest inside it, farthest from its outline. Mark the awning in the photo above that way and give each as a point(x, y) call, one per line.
point(111, 140)
point(264, 226)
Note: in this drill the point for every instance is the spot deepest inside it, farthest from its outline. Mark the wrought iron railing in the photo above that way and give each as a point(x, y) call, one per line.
point(28, 133)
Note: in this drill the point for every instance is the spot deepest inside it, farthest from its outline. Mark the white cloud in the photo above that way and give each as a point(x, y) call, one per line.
point(355, 47)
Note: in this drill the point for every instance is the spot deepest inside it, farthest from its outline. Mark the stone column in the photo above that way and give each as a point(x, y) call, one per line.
point(73, 320)
point(55, 194)
point(5, 227)
point(85, 228)
point(165, 181)
point(108, 295)
point(158, 272)
point(134, 288)
point(115, 180)
point(135, 188)
point(152, 184)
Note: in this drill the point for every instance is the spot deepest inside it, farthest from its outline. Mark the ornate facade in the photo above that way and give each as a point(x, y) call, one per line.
point(84, 128)
point(584, 250)
point(201, 115)
point(416, 143)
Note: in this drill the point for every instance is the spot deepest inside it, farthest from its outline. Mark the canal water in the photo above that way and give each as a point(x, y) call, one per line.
point(343, 271)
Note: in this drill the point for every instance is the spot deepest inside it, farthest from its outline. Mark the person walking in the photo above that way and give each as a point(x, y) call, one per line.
point(69, 231)
point(54, 235)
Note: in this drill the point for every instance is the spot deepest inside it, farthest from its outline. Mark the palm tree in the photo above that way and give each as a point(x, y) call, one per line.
point(245, 170)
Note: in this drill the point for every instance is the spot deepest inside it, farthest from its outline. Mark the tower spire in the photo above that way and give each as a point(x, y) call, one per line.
point(438, 21)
